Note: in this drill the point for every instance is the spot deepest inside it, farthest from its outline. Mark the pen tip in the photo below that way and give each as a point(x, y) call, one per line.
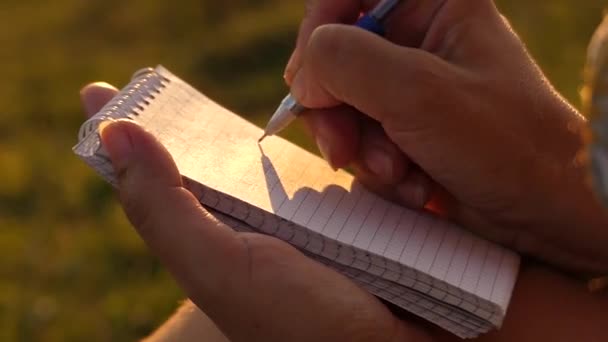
point(262, 138)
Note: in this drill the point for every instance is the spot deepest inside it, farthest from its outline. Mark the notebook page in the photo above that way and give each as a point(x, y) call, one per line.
point(219, 149)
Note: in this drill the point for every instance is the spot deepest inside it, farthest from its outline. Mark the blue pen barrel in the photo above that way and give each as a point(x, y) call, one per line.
point(370, 24)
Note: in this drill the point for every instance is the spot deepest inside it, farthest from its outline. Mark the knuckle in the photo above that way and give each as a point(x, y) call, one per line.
point(264, 250)
point(310, 7)
point(324, 43)
point(139, 216)
point(425, 75)
point(134, 206)
point(432, 78)
point(266, 256)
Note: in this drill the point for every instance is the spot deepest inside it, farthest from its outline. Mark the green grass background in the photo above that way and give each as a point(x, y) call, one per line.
point(71, 268)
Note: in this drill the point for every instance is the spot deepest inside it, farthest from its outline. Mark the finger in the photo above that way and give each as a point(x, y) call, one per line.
point(95, 95)
point(320, 12)
point(168, 217)
point(369, 180)
point(344, 138)
point(343, 135)
point(336, 132)
point(423, 23)
point(348, 65)
point(379, 156)
point(408, 25)
point(415, 190)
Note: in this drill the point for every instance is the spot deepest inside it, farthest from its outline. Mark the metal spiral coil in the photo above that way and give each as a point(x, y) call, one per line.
point(146, 84)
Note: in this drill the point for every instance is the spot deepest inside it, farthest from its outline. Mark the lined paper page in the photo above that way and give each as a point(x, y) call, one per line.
point(219, 150)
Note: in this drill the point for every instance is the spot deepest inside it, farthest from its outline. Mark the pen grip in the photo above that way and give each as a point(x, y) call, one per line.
point(370, 24)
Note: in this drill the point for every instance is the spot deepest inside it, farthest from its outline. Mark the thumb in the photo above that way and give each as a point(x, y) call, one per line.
point(185, 237)
point(144, 169)
point(246, 283)
point(345, 64)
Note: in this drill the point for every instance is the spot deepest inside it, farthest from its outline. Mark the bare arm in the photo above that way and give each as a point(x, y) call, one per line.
point(188, 323)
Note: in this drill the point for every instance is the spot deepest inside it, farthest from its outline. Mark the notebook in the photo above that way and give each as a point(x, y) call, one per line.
point(411, 259)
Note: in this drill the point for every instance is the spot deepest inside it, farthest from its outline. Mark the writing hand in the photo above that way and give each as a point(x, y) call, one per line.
point(454, 91)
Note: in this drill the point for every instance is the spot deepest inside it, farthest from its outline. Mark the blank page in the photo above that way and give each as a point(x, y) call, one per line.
point(219, 150)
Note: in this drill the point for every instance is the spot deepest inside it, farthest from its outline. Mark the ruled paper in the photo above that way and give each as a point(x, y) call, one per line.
point(343, 221)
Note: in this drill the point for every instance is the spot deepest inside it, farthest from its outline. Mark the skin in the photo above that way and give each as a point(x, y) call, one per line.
point(511, 179)
point(498, 143)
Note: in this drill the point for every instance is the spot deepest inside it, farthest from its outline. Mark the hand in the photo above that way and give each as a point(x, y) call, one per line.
point(454, 91)
point(254, 287)
point(258, 288)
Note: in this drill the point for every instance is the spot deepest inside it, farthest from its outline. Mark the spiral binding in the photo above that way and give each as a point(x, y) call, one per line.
point(130, 102)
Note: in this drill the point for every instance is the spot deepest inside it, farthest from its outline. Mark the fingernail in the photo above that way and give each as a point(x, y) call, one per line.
point(413, 194)
point(89, 103)
point(325, 149)
point(289, 69)
point(297, 87)
point(95, 95)
point(116, 140)
point(380, 163)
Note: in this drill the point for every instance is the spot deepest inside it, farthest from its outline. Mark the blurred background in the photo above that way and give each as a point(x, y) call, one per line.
point(71, 268)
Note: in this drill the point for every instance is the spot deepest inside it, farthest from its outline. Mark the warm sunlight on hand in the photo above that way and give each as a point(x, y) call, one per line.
point(452, 96)
point(256, 287)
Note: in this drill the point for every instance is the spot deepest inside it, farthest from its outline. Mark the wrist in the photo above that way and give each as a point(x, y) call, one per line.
point(569, 220)
point(189, 323)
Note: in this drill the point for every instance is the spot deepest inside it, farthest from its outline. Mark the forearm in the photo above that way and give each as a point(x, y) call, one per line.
point(188, 323)
point(575, 211)
point(546, 305)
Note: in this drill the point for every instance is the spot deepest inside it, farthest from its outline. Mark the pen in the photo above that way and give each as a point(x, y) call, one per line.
point(289, 109)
